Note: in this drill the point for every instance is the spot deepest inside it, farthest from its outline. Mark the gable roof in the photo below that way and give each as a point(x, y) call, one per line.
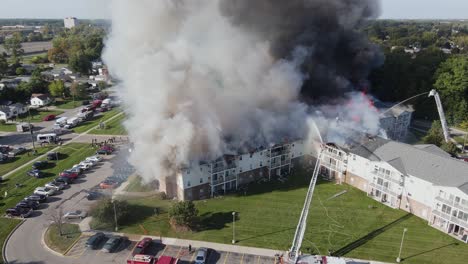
point(432, 149)
point(40, 96)
point(5, 109)
point(424, 162)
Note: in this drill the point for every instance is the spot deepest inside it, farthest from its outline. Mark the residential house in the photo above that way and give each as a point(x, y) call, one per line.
point(5, 113)
point(38, 100)
point(11, 111)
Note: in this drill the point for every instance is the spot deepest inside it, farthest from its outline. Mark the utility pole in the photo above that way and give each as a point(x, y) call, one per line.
point(401, 245)
point(115, 216)
point(233, 227)
point(31, 131)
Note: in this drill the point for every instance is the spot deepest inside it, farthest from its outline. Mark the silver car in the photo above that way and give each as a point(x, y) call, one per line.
point(201, 256)
point(75, 214)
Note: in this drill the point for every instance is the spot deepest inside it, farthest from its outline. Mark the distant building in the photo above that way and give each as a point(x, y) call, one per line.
point(40, 100)
point(395, 120)
point(11, 111)
point(70, 22)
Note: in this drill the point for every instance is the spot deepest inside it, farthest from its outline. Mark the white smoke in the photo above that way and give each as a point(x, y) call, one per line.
point(195, 86)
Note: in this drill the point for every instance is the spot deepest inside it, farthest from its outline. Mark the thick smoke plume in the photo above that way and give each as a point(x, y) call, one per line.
point(203, 78)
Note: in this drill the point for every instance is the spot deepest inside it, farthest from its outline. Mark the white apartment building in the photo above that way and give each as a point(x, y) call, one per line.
point(422, 179)
point(70, 22)
point(395, 120)
point(200, 180)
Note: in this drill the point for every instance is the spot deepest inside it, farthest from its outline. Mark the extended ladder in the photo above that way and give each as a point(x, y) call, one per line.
point(301, 227)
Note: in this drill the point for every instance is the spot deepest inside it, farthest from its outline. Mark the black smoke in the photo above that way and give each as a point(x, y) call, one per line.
point(339, 56)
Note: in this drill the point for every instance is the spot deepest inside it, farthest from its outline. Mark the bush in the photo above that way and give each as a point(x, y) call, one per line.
point(2, 122)
point(20, 71)
point(183, 213)
point(104, 211)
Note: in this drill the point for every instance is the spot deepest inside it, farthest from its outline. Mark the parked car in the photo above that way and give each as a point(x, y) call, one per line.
point(19, 211)
point(202, 253)
point(113, 243)
point(95, 158)
point(55, 185)
point(106, 184)
point(103, 152)
point(83, 166)
point(75, 214)
point(44, 191)
point(85, 102)
point(35, 173)
point(94, 240)
point(28, 204)
point(17, 151)
point(40, 164)
point(69, 174)
point(94, 195)
point(63, 180)
point(36, 197)
point(48, 118)
point(53, 155)
point(77, 169)
point(142, 246)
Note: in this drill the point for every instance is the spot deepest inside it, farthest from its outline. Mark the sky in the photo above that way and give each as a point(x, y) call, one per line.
point(398, 9)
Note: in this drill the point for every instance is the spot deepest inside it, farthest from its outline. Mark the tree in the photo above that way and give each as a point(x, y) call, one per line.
point(14, 48)
point(80, 62)
point(77, 90)
point(20, 71)
point(183, 213)
point(450, 148)
point(56, 216)
point(435, 135)
point(3, 65)
point(104, 211)
point(452, 85)
point(56, 88)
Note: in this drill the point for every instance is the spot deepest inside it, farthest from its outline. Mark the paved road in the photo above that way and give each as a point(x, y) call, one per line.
point(25, 246)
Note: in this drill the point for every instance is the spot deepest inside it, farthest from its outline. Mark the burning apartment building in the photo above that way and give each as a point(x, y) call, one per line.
point(395, 119)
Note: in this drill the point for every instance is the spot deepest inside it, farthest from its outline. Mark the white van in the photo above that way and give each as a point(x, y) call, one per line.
point(47, 138)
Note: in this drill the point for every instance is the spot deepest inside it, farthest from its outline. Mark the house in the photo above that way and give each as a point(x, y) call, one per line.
point(40, 100)
point(9, 83)
point(421, 179)
point(5, 113)
point(18, 109)
point(11, 111)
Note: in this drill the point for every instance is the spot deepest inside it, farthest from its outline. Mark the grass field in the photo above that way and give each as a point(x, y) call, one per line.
point(8, 127)
point(95, 121)
point(19, 160)
point(61, 243)
point(68, 104)
point(37, 116)
point(135, 185)
point(27, 58)
point(350, 225)
point(113, 127)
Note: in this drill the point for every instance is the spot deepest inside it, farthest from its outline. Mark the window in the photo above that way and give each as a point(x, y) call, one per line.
point(261, 164)
point(251, 154)
point(354, 157)
point(201, 180)
point(188, 171)
point(379, 181)
point(188, 183)
point(457, 199)
point(240, 157)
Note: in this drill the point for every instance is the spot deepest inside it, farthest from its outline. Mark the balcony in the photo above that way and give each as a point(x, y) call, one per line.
point(218, 181)
point(452, 204)
point(276, 153)
point(451, 218)
point(334, 167)
point(383, 189)
point(223, 168)
point(335, 156)
point(386, 177)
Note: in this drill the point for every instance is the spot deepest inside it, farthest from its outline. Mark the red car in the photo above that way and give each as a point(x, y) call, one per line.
point(142, 245)
point(108, 185)
point(48, 118)
point(69, 174)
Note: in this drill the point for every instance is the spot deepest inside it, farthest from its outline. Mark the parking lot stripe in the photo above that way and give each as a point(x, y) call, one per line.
point(178, 253)
point(165, 247)
point(225, 258)
point(193, 256)
point(258, 259)
point(242, 259)
point(131, 251)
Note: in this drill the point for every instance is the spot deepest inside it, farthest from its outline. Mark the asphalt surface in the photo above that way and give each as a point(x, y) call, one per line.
point(24, 246)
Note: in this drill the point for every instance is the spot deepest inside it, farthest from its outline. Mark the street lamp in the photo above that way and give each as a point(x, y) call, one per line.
point(115, 215)
point(31, 131)
point(233, 227)
point(401, 245)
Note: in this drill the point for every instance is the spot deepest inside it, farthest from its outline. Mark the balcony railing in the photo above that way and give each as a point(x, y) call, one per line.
point(333, 155)
point(387, 177)
point(279, 152)
point(451, 218)
point(222, 168)
point(383, 189)
point(332, 166)
point(452, 204)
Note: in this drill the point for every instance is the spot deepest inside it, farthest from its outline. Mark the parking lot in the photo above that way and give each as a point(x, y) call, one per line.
point(85, 255)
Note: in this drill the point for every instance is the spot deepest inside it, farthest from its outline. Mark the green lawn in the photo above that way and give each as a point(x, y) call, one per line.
point(38, 115)
point(8, 127)
point(95, 120)
point(27, 58)
point(352, 224)
point(135, 185)
point(19, 160)
point(6, 226)
point(68, 104)
point(113, 127)
point(61, 243)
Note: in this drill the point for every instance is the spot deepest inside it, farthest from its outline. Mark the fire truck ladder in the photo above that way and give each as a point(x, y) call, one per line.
point(443, 121)
point(301, 227)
